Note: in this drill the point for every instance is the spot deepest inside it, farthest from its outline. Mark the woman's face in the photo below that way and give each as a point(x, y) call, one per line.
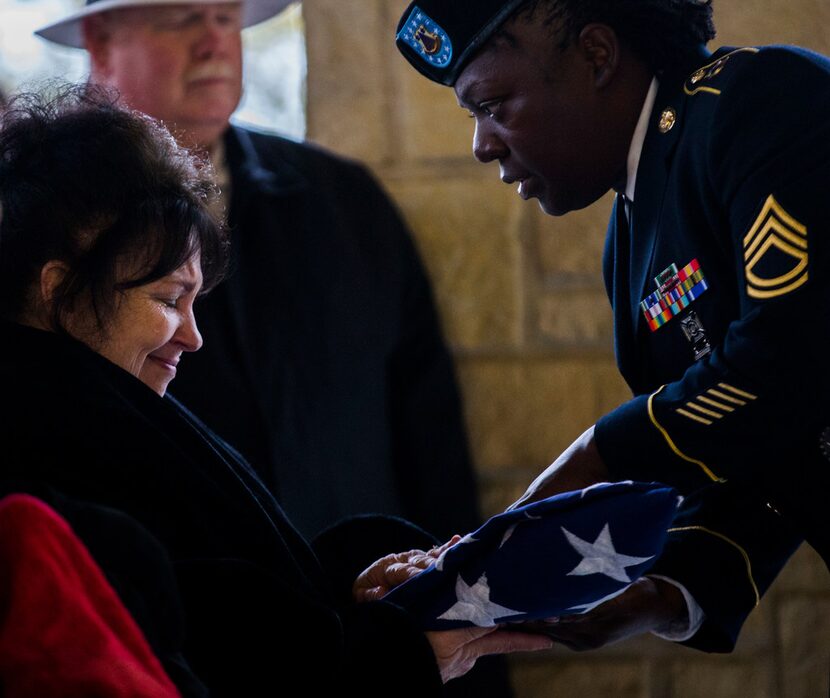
point(151, 327)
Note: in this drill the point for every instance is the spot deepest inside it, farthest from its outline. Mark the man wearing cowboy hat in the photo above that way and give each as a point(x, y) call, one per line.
point(180, 63)
point(323, 357)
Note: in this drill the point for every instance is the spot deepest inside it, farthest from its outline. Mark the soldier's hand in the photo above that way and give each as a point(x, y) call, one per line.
point(648, 604)
point(579, 466)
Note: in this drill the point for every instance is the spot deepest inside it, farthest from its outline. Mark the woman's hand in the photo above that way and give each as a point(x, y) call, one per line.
point(392, 570)
point(456, 651)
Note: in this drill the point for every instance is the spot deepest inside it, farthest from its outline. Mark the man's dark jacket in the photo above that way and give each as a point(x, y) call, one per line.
point(323, 358)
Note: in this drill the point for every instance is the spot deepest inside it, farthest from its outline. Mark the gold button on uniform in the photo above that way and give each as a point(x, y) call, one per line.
point(667, 120)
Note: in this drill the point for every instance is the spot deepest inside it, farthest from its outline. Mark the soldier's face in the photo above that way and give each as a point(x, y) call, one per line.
point(540, 113)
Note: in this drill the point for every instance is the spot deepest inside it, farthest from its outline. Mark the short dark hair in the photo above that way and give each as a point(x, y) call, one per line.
point(93, 184)
point(665, 34)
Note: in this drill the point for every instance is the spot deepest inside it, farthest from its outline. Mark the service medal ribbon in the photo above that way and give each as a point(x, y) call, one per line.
point(676, 289)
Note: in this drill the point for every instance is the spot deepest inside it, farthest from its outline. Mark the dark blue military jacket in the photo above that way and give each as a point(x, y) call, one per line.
point(721, 298)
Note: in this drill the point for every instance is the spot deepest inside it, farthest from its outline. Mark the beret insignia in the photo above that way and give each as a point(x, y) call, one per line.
point(428, 39)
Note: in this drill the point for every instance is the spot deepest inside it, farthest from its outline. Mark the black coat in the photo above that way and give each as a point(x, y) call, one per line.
point(323, 360)
point(257, 604)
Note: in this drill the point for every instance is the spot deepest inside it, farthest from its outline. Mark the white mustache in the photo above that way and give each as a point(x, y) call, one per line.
point(212, 71)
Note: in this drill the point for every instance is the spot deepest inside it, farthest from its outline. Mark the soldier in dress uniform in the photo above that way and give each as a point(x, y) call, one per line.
point(715, 264)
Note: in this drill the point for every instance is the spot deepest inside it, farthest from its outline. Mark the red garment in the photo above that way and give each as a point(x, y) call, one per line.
point(64, 631)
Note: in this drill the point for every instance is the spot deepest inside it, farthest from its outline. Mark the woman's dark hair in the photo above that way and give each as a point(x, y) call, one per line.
point(100, 188)
point(666, 34)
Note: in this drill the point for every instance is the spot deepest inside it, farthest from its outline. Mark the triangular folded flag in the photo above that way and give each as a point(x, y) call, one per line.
point(558, 556)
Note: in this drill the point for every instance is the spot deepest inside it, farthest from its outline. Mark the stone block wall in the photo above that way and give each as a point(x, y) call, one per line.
point(523, 306)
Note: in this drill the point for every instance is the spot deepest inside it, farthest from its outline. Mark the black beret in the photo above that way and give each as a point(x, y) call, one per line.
point(439, 37)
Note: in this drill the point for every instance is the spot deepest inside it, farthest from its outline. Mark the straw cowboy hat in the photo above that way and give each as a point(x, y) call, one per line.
point(67, 31)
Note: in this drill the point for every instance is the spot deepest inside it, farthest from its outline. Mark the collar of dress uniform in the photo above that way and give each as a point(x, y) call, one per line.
point(635, 150)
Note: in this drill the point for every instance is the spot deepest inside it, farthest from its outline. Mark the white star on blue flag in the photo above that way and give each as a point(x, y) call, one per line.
point(600, 557)
point(536, 561)
point(473, 604)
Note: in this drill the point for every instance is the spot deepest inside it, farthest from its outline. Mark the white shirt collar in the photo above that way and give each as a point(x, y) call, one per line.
point(636, 148)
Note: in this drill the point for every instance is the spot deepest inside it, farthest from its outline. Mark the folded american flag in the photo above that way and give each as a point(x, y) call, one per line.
point(561, 555)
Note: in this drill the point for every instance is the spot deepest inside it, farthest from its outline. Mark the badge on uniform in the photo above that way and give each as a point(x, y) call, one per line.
point(429, 40)
point(697, 80)
point(694, 332)
point(676, 290)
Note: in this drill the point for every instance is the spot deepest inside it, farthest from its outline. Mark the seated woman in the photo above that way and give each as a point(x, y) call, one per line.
point(106, 244)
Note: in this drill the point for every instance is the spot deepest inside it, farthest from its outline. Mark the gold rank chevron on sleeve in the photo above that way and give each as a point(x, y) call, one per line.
point(775, 253)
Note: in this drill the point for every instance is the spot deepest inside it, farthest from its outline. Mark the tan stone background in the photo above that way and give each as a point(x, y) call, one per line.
point(522, 303)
